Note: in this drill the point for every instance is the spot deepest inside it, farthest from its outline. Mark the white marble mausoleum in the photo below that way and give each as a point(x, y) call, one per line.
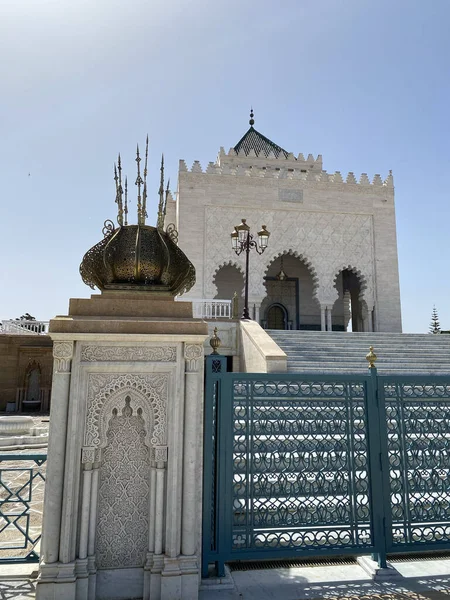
point(333, 235)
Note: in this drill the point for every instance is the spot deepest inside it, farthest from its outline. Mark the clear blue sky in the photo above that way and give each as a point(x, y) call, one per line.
point(365, 83)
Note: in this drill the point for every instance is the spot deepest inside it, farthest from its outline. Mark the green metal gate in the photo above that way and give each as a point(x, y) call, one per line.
point(314, 465)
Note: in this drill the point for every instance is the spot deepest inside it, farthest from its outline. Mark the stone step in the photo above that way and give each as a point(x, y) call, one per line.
point(341, 352)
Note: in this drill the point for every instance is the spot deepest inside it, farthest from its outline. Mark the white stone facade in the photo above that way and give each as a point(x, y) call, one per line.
point(329, 222)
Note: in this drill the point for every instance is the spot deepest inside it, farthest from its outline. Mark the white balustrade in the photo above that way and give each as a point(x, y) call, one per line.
point(203, 308)
point(24, 327)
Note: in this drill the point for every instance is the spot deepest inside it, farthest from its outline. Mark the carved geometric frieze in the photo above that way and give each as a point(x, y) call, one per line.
point(327, 242)
point(193, 354)
point(62, 354)
point(148, 394)
point(91, 353)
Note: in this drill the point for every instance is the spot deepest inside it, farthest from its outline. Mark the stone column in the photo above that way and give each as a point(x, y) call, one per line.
point(257, 307)
point(92, 528)
point(85, 511)
point(322, 318)
point(193, 355)
point(62, 354)
point(329, 323)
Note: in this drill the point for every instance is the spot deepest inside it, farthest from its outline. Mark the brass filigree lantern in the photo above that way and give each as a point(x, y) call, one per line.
point(138, 256)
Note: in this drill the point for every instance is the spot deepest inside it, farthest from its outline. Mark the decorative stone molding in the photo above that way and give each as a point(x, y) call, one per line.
point(193, 354)
point(148, 396)
point(88, 455)
point(91, 353)
point(62, 354)
point(160, 454)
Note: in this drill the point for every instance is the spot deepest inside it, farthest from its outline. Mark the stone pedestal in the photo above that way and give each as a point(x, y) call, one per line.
point(123, 494)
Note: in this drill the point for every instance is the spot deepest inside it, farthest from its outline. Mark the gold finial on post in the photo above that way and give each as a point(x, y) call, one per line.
point(371, 358)
point(215, 342)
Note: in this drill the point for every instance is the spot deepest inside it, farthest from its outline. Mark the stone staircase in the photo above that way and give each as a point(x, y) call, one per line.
point(339, 352)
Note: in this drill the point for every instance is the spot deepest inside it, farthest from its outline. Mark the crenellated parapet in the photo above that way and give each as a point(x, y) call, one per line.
point(283, 169)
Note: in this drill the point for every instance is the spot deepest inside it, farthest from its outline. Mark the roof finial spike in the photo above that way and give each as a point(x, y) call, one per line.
point(119, 192)
point(252, 120)
point(139, 182)
point(126, 201)
point(144, 214)
point(160, 221)
point(165, 202)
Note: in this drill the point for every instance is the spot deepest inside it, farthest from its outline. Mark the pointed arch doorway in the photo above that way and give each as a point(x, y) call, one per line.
point(290, 301)
point(277, 317)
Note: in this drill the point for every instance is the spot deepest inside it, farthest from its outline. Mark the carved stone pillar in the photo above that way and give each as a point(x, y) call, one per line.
point(193, 354)
point(124, 479)
point(329, 322)
point(323, 309)
point(62, 355)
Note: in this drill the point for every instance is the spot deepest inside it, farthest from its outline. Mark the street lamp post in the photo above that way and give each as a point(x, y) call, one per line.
point(242, 240)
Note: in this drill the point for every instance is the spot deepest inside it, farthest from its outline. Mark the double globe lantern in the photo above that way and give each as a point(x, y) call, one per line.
point(242, 240)
point(241, 232)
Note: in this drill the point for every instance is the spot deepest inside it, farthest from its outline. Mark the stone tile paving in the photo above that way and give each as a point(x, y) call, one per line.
point(338, 583)
point(17, 589)
point(14, 480)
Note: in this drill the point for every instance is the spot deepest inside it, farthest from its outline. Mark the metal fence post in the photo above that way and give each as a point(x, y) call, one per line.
point(215, 366)
point(376, 463)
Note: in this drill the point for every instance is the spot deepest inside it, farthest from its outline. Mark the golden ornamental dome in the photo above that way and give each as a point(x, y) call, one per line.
point(138, 256)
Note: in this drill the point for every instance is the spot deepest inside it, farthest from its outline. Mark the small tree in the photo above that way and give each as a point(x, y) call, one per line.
point(434, 325)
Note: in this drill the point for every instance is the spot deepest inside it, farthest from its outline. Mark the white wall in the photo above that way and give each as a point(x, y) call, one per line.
point(331, 224)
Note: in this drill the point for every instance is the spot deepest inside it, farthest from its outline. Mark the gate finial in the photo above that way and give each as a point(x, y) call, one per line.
point(371, 358)
point(215, 342)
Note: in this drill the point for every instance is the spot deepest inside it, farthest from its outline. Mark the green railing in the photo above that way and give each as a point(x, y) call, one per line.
point(22, 481)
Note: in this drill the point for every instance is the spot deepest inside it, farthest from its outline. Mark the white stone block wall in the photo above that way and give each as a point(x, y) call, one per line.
point(330, 223)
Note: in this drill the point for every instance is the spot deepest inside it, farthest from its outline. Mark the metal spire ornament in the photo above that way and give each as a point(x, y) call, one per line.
point(139, 257)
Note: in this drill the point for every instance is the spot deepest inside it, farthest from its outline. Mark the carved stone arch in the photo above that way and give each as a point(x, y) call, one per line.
point(304, 258)
point(211, 289)
point(363, 281)
point(108, 392)
point(32, 365)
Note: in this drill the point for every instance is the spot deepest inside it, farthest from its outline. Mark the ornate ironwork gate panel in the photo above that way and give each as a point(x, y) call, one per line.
point(416, 457)
point(290, 463)
point(22, 478)
point(315, 465)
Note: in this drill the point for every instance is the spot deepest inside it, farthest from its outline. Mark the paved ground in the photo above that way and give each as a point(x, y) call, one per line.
point(420, 580)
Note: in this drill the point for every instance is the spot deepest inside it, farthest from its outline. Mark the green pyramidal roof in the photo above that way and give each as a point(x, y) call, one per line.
point(253, 140)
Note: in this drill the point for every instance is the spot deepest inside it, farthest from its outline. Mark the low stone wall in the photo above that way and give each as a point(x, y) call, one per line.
point(259, 353)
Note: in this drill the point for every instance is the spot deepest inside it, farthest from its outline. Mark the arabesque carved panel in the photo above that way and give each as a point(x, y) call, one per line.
point(106, 391)
point(328, 241)
point(123, 501)
point(94, 353)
